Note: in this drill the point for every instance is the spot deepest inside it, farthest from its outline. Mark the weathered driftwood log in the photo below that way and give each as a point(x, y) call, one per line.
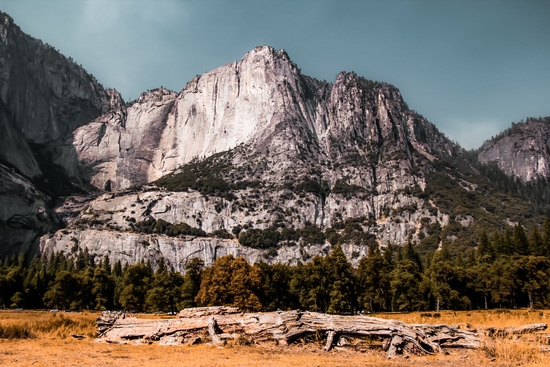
point(217, 324)
point(513, 330)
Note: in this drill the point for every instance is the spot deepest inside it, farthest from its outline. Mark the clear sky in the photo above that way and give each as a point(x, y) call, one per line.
point(470, 67)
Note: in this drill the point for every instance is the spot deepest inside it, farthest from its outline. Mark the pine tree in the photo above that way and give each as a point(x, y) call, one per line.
point(165, 291)
point(134, 285)
point(546, 237)
point(341, 282)
point(61, 292)
point(482, 281)
point(409, 253)
point(484, 247)
point(191, 283)
point(521, 244)
point(310, 284)
point(532, 278)
point(439, 273)
point(536, 244)
point(275, 289)
point(102, 288)
point(374, 281)
point(406, 282)
point(106, 264)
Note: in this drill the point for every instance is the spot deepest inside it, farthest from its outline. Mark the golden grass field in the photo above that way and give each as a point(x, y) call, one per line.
point(51, 345)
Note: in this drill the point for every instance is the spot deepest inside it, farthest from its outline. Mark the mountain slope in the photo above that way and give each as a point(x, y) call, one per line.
point(253, 158)
point(304, 164)
point(261, 100)
point(43, 97)
point(522, 151)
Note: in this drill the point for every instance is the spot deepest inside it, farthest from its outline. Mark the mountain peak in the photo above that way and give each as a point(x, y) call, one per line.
point(266, 51)
point(298, 164)
point(521, 151)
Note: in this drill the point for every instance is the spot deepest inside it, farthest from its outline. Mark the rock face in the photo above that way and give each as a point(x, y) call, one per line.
point(47, 94)
point(253, 147)
point(43, 97)
point(24, 211)
point(263, 102)
point(274, 147)
point(523, 151)
point(131, 248)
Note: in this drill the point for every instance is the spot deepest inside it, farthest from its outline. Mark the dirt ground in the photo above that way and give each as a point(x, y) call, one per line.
point(72, 352)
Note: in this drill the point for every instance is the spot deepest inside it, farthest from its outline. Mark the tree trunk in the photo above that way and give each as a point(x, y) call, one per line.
point(371, 307)
point(485, 299)
point(222, 323)
point(437, 305)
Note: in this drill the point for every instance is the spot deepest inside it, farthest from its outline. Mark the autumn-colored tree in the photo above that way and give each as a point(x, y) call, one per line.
point(232, 282)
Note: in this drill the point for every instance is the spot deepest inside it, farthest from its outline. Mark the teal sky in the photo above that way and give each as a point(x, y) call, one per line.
point(470, 67)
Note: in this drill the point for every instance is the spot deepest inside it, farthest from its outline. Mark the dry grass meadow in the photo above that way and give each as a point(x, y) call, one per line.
point(36, 338)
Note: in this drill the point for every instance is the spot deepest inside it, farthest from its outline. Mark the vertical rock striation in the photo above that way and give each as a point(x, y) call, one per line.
point(265, 103)
point(284, 149)
point(43, 97)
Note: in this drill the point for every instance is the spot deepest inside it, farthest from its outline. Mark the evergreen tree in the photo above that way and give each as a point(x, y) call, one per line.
point(165, 291)
point(191, 282)
point(374, 277)
point(102, 288)
point(84, 294)
point(310, 285)
point(275, 289)
point(482, 281)
point(35, 284)
point(61, 292)
point(521, 244)
point(537, 244)
point(106, 264)
point(532, 278)
point(546, 237)
point(134, 285)
point(484, 247)
point(341, 280)
point(502, 279)
point(405, 286)
point(406, 281)
point(409, 253)
point(439, 272)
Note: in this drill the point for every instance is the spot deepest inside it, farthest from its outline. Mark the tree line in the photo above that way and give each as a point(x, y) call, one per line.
point(508, 269)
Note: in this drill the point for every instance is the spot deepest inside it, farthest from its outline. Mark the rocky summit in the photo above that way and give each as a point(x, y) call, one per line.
point(253, 159)
point(522, 151)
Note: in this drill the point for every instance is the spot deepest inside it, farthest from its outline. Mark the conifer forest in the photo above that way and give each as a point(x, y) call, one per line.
point(509, 269)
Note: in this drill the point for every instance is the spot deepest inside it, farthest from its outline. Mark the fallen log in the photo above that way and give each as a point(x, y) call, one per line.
point(218, 324)
point(513, 330)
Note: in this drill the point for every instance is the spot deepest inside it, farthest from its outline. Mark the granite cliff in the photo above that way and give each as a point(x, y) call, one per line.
point(43, 97)
point(522, 151)
point(256, 145)
point(253, 158)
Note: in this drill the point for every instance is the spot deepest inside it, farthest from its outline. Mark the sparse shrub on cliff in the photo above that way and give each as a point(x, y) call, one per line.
point(313, 186)
point(222, 233)
point(348, 191)
point(312, 235)
point(207, 177)
point(160, 226)
point(260, 238)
